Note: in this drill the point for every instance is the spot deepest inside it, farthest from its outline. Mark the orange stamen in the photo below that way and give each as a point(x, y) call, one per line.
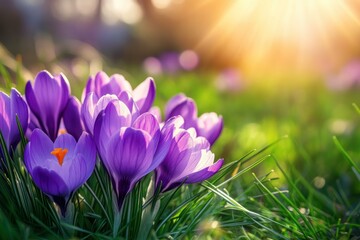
point(62, 131)
point(59, 153)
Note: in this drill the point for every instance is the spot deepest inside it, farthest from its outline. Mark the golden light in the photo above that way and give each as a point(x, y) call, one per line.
point(277, 36)
point(284, 35)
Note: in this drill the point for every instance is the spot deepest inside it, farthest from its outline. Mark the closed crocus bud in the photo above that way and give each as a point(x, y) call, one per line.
point(128, 150)
point(10, 107)
point(102, 84)
point(208, 125)
point(72, 119)
point(59, 168)
point(188, 160)
point(47, 99)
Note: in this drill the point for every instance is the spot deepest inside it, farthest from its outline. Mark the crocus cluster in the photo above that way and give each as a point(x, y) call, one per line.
point(115, 122)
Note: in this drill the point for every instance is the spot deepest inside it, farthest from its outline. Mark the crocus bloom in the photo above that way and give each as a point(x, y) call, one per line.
point(129, 149)
point(102, 84)
point(47, 99)
point(208, 125)
point(189, 159)
point(59, 168)
point(10, 107)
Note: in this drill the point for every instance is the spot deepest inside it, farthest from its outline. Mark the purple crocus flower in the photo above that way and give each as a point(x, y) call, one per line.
point(47, 99)
point(189, 159)
point(59, 168)
point(208, 125)
point(102, 84)
point(129, 149)
point(10, 107)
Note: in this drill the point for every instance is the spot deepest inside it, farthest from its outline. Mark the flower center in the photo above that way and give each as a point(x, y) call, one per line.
point(59, 153)
point(62, 131)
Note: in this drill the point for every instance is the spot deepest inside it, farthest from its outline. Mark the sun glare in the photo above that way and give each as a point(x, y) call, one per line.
point(291, 34)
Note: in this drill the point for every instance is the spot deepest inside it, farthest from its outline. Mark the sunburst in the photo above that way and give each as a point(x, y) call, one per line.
point(284, 35)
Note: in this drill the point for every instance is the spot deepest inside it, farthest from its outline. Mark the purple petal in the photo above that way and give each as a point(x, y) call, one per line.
point(83, 163)
point(86, 146)
point(100, 79)
point(49, 97)
point(38, 150)
point(65, 91)
point(177, 157)
point(148, 123)
point(201, 143)
point(127, 99)
point(4, 116)
point(144, 95)
point(49, 182)
point(210, 125)
point(187, 109)
point(169, 130)
point(156, 112)
point(90, 85)
point(115, 85)
point(103, 103)
point(87, 111)
point(114, 117)
point(205, 173)
point(51, 94)
point(32, 103)
point(72, 118)
point(174, 102)
point(128, 153)
point(20, 109)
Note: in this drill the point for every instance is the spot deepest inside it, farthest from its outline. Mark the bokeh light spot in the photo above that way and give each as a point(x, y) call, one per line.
point(189, 60)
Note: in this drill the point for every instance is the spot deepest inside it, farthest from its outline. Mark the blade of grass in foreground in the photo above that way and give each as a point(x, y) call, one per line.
point(354, 166)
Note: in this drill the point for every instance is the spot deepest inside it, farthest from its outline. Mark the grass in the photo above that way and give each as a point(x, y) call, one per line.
point(292, 172)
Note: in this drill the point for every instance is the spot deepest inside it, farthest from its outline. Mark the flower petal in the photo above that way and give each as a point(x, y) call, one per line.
point(88, 88)
point(174, 102)
point(128, 153)
point(87, 111)
point(19, 109)
point(156, 112)
point(49, 182)
point(72, 118)
point(210, 125)
point(4, 116)
point(149, 124)
point(127, 99)
point(144, 95)
point(65, 91)
point(115, 85)
point(38, 150)
point(32, 103)
point(205, 173)
point(49, 97)
point(100, 79)
point(115, 116)
point(187, 109)
point(83, 163)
